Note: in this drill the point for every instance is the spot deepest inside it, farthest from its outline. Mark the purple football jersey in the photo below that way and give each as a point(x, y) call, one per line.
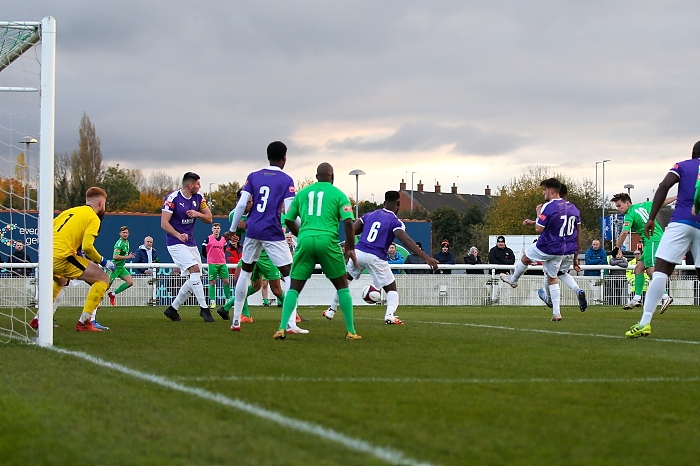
point(554, 220)
point(178, 205)
point(573, 220)
point(269, 188)
point(687, 172)
point(378, 232)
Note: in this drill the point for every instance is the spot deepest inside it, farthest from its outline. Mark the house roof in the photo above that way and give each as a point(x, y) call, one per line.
point(459, 202)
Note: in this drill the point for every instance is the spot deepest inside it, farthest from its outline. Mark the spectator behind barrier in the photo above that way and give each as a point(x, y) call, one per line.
point(501, 254)
point(595, 255)
point(444, 256)
point(415, 260)
point(145, 254)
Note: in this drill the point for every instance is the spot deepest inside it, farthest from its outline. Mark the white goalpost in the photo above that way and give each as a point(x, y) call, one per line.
point(27, 108)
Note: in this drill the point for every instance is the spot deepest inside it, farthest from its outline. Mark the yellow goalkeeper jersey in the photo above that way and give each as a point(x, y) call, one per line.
point(76, 228)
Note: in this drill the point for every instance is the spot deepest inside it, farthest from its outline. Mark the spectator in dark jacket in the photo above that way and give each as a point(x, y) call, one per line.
point(414, 259)
point(444, 256)
point(144, 255)
point(501, 254)
point(472, 258)
point(595, 255)
point(20, 256)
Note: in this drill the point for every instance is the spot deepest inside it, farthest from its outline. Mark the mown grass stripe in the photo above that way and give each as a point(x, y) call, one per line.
point(386, 454)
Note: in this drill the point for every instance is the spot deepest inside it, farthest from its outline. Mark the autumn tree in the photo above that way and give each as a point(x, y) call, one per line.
point(120, 187)
point(160, 184)
point(224, 198)
point(518, 198)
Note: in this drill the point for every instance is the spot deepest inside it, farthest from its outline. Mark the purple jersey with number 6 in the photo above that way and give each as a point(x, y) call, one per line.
point(269, 188)
point(554, 220)
point(573, 220)
point(378, 232)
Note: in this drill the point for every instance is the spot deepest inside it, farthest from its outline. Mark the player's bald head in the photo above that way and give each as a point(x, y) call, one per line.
point(324, 172)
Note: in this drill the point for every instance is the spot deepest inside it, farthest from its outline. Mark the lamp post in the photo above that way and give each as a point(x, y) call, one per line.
point(27, 141)
point(412, 173)
point(629, 187)
point(210, 185)
point(602, 189)
point(357, 173)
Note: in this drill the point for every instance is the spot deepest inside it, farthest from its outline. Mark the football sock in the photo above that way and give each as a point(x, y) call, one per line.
point(196, 283)
point(182, 295)
point(520, 269)
point(639, 281)
point(334, 303)
point(654, 293)
point(345, 301)
point(56, 289)
point(58, 299)
point(240, 294)
point(246, 311)
point(94, 296)
point(569, 281)
point(212, 293)
point(545, 286)
point(227, 291)
point(122, 287)
point(280, 298)
point(392, 303)
point(556, 299)
point(290, 303)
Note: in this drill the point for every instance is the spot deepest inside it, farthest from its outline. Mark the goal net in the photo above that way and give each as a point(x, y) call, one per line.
point(27, 75)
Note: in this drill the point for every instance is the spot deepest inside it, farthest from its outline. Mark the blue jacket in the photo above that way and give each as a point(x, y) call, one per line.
point(398, 260)
point(593, 257)
point(141, 257)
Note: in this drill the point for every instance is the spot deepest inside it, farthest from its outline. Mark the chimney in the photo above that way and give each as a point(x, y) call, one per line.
point(437, 187)
point(419, 188)
point(487, 191)
point(454, 188)
point(402, 185)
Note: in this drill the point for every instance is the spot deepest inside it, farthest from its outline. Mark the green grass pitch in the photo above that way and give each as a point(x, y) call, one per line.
point(454, 385)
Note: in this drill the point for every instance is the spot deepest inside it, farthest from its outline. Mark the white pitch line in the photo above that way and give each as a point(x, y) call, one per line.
point(386, 454)
point(410, 380)
point(555, 332)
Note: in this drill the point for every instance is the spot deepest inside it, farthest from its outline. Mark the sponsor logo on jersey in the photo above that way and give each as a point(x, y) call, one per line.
point(186, 221)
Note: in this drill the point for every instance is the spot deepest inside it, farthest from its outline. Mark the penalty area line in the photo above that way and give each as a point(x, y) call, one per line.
point(554, 332)
point(386, 454)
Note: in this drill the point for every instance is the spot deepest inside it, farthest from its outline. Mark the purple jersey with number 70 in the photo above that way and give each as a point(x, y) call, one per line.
point(269, 188)
point(555, 221)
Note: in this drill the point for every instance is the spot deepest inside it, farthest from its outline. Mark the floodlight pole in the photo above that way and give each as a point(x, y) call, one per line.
point(357, 173)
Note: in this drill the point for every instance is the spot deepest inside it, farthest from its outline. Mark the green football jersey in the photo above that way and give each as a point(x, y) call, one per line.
point(637, 217)
point(121, 248)
point(320, 206)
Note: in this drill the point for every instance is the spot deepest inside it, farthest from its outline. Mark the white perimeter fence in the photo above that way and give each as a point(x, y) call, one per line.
point(467, 285)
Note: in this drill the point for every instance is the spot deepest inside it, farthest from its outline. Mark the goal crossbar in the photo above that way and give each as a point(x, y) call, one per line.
point(17, 38)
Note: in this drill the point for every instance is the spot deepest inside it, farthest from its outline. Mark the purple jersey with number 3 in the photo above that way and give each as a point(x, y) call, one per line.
point(269, 188)
point(555, 221)
point(378, 232)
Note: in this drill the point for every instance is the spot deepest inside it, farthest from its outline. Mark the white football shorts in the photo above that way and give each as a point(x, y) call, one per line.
point(378, 268)
point(675, 241)
point(278, 251)
point(550, 262)
point(185, 257)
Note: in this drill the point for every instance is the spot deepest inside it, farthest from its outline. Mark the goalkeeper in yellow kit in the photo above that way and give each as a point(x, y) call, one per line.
point(75, 230)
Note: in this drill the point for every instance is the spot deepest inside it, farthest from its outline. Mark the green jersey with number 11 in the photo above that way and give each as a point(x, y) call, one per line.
point(636, 218)
point(320, 206)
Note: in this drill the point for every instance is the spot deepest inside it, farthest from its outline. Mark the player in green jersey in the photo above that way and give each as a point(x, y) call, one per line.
point(636, 216)
point(320, 207)
point(120, 255)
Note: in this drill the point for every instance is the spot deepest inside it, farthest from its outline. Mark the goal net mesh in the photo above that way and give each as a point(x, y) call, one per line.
point(20, 129)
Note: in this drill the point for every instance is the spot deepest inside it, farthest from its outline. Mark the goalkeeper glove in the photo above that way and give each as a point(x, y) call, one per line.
point(109, 265)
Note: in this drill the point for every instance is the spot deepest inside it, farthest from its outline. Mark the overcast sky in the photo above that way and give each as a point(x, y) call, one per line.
point(465, 92)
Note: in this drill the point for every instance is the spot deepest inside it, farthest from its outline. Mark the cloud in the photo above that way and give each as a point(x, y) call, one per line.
point(422, 137)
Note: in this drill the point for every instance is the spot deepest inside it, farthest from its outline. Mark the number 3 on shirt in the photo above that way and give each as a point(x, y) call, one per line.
point(264, 195)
